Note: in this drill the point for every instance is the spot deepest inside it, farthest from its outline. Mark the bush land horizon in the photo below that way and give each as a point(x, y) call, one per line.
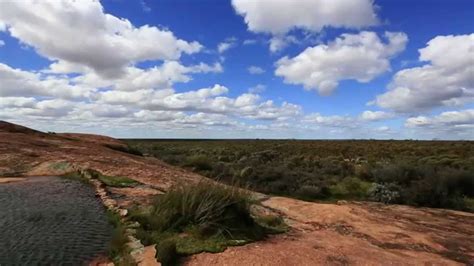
point(436, 174)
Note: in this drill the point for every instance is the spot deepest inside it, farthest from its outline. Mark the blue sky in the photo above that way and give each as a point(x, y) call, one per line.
point(354, 69)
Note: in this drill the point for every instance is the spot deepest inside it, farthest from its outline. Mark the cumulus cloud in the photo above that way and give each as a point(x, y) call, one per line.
point(94, 82)
point(360, 57)
point(157, 77)
point(198, 109)
point(446, 80)
point(447, 125)
point(347, 121)
point(21, 107)
point(375, 115)
point(17, 82)
point(280, 16)
point(107, 44)
point(280, 42)
point(459, 119)
point(13, 102)
point(330, 121)
point(205, 100)
point(255, 70)
point(207, 119)
point(147, 115)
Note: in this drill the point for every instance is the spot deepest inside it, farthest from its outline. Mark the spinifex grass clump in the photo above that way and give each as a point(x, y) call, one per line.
point(117, 245)
point(200, 217)
point(210, 207)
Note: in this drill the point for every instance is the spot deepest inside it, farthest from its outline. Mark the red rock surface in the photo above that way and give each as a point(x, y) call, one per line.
point(333, 234)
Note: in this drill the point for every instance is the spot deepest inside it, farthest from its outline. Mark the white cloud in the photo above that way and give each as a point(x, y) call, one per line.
point(33, 108)
point(360, 57)
point(15, 102)
point(207, 119)
point(383, 129)
point(375, 115)
point(109, 90)
point(147, 115)
point(259, 88)
point(330, 121)
point(158, 77)
point(249, 42)
point(255, 70)
point(280, 16)
point(93, 110)
point(226, 45)
point(280, 42)
point(17, 82)
point(2, 43)
point(107, 44)
point(205, 100)
point(446, 80)
point(458, 119)
point(144, 6)
point(447, 125)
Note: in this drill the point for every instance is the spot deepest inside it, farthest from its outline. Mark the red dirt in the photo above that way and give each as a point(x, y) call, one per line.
point(357, 233)
point(335, 234)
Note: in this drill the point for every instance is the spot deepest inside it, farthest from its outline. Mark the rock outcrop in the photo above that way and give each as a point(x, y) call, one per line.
point(344, 233)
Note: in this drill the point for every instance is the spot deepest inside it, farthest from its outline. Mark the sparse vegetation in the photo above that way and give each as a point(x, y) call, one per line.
point(117, 181)
point(166, 252)
point(421, 173)
point(112, 181)
point(199, 162)
point(117, 246)
point(76, 176)
point(386, 192)
point(202, 217)
point(273, 223)
point(126, 149)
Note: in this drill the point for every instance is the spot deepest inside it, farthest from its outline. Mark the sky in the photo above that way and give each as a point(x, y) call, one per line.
point(304, 69)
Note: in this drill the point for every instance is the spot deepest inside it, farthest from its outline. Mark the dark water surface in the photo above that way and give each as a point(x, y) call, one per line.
point(51, 221)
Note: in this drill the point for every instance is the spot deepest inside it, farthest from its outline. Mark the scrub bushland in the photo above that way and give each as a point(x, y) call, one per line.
point(421, 173)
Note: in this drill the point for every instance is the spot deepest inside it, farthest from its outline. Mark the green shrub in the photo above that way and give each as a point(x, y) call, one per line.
point(166, 252)
point(76, 176)
point(351, 188)
point(363, 172)
point(445, 189)
point(300, 168)
point(201, 217)
point(313, 192)
point(117, 246)
point(386, 193)
point(199, 162)
point(273, 222)
point(401, 173)
point(117, 181)
point(469, 204)
point(124, 148)
point(224, 209)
